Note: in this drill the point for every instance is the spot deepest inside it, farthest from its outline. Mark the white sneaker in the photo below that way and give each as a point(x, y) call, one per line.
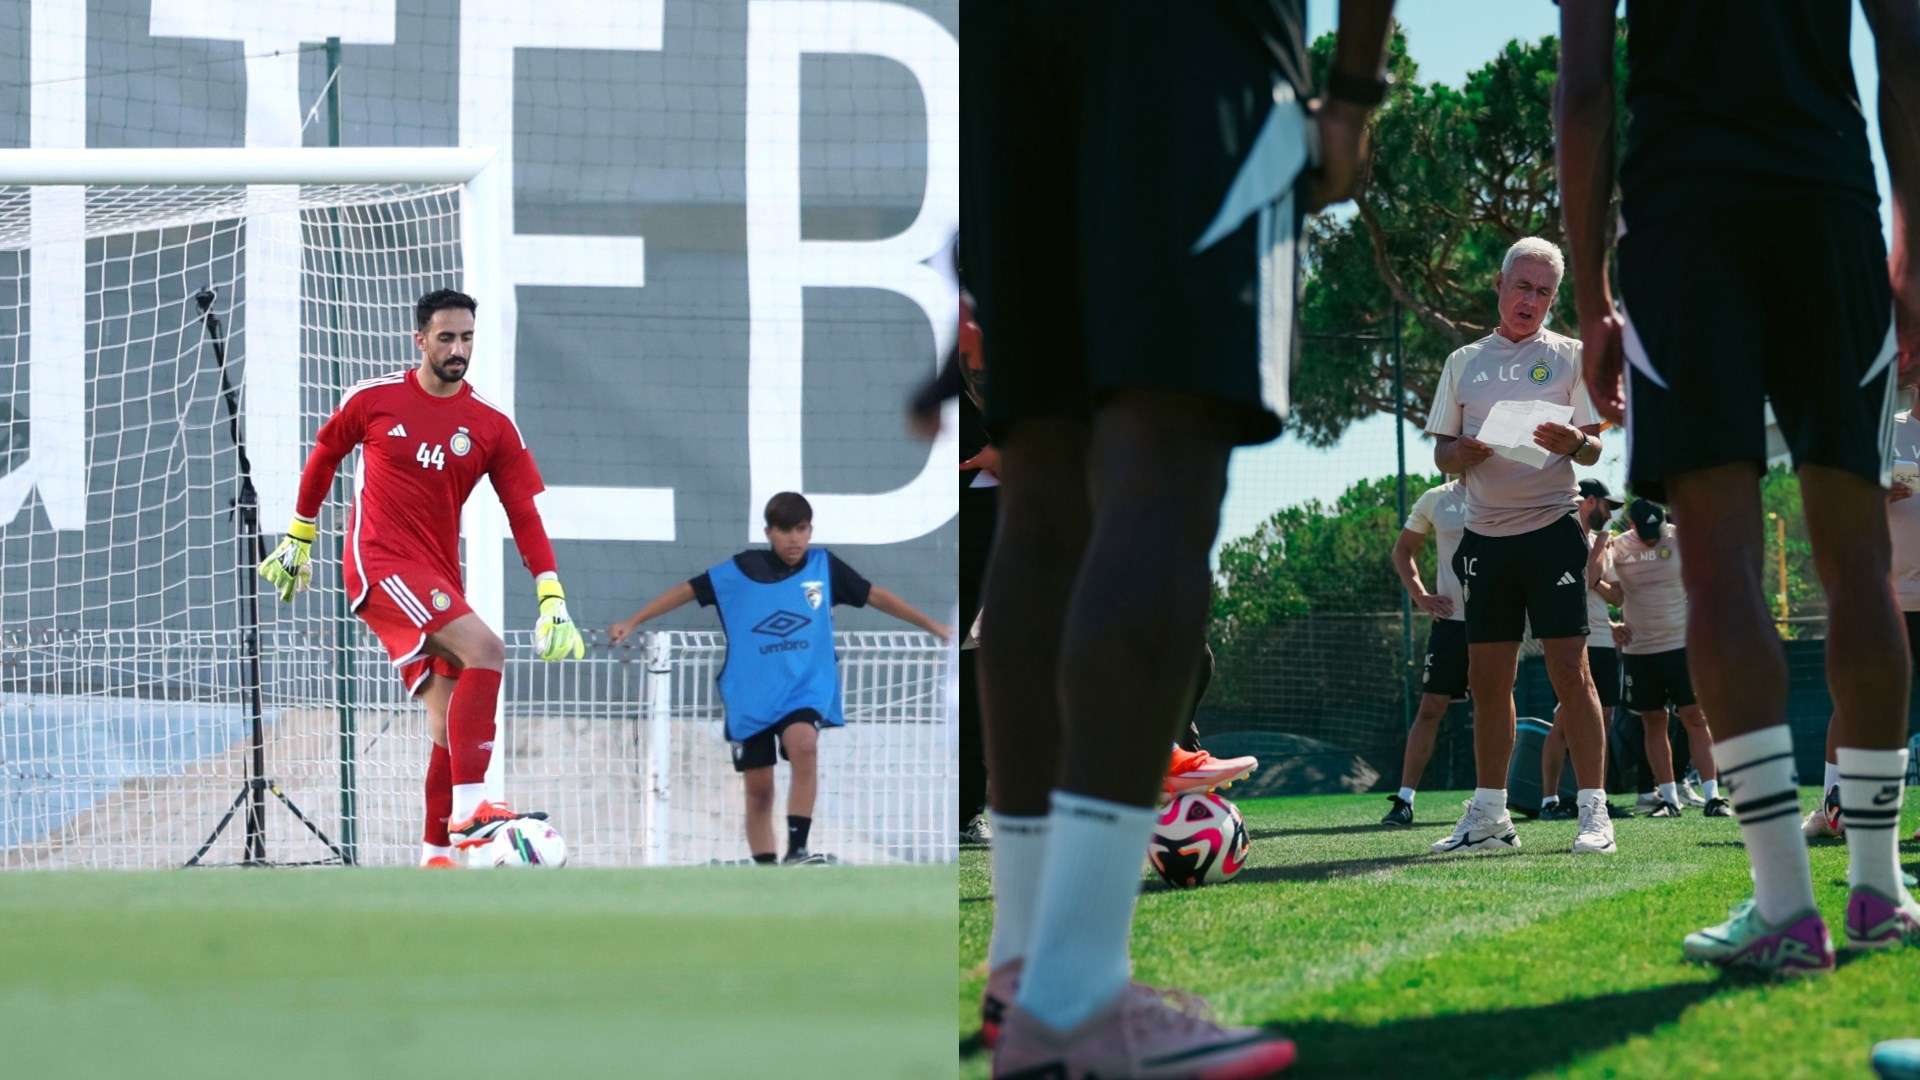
point(1647, 801)
point(1596, 829)
point(1816, 825)
point(1690, 795)
point(1479, 832)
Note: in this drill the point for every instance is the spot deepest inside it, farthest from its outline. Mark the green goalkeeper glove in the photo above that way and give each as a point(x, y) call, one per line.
point(287, 569)
point(554, 636)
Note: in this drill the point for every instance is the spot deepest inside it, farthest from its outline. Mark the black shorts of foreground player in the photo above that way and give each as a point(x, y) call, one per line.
point(780, 683)
point(1523, 556)
point(1752, 270)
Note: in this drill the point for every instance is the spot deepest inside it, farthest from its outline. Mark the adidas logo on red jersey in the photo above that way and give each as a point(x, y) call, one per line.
point(399, 431)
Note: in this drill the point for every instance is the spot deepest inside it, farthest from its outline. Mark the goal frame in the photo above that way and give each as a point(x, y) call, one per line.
point(484, 207)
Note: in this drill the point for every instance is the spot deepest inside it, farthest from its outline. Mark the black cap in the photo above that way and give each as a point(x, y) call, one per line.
point(1594, 489)
point(1647, 518)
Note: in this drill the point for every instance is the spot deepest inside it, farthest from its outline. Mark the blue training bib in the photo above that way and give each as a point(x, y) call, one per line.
point(779, 646)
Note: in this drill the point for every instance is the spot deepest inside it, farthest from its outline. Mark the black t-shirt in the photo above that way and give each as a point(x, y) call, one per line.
point(762, 565)
point(1729, 96)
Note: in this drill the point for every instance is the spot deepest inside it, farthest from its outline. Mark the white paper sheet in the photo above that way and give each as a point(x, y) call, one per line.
point(1509, 429)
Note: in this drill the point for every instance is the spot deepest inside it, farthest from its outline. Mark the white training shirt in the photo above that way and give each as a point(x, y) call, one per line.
point(1655, 604)
point(1442, 510)
point(1505, 497)
point(1599, 619)
point(1903, 518)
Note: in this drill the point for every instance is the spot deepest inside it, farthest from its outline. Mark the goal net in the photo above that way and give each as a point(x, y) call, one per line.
point(126, 682)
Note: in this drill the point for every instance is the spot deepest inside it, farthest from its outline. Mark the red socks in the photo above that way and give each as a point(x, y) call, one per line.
point(439, 796)
point(470, 724)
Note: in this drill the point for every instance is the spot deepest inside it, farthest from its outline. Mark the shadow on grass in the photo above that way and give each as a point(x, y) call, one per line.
point(1318, 871)
point(1337, 830)
point(1499, 1042)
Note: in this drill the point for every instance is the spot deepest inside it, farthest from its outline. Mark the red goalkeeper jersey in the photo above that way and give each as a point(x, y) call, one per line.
point(420, 458)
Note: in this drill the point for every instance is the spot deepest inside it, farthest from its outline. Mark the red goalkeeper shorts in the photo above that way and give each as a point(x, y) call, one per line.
point(404, 606)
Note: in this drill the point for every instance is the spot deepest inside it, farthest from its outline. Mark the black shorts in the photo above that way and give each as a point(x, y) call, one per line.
point(1605, 665)
point(1096, 152)
point(1781, 299)
point(1656, 680)
point(1538, 577)
point(1446, 668)
point(1913, 639)
point(757, 751)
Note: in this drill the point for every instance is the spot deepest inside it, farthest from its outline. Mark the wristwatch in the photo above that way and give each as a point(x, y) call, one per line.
point(1584, 440)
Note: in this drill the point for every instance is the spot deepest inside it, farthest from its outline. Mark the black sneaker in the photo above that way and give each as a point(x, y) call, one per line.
point(1717, 807)
point(1663, 808)
point(1558, 810)
point(803, 857)
point(1400, 813)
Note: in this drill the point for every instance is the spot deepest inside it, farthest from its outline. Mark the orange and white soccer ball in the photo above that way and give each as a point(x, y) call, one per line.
point(1199, 839)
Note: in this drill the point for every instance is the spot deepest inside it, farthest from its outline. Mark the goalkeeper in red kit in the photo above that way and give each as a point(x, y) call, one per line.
point(426, 438)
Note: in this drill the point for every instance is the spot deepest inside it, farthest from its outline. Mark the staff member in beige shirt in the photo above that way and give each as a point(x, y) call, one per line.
point(1523, 556)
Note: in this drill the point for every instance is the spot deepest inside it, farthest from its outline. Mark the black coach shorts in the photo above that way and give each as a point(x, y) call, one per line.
point(756, 752)
point(1538, 577)
point(1656, 680)
point(1749, 300)
point(1446, 667)
point(1098, 150)
point(1913, 639)
point(1605, 665)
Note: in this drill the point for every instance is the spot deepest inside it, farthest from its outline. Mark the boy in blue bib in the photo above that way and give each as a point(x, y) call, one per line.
point(780, 683)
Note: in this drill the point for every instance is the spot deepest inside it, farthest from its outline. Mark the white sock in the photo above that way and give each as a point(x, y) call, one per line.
point(1019, 849)
point(1551, 800)
point(1710, 789)
point(1590, 795)
point(1832, 779)
point(1491, 800)
point(1871, 785)
point(1077, 957)
point(1670, 791)
point(466, 799)
point(1758, 770)
point(432, 851)
point(1406, 795)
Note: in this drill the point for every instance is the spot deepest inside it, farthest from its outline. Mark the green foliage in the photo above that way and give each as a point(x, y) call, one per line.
point(1456, 176)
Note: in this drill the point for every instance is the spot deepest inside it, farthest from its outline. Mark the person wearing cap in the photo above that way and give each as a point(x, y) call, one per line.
point(1442, 511)
point(1597, 507)
point(1523, 556)
point(1645, 565)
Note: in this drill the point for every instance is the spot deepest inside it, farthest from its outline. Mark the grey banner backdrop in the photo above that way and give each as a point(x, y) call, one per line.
point(643, 181)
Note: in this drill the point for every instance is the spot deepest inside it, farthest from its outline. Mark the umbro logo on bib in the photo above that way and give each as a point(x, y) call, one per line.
point(1566, 578)
point(399, 431)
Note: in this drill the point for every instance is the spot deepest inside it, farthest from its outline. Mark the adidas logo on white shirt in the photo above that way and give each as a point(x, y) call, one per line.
point(1482, 377)
point(399, 431)
point(1566, 578)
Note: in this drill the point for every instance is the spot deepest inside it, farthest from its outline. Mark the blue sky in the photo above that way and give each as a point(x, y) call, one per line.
point(1447, 39)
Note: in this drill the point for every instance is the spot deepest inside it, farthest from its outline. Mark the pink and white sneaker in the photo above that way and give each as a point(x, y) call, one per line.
point(1147, 1034)
point(1878, 921)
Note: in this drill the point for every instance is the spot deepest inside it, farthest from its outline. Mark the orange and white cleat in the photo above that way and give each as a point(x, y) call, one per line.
point(1197, 770)
point(485, 820)
point(440, 862)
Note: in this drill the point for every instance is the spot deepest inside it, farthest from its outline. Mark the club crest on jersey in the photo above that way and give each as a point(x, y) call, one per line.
point(1666, 553)
point(816, 592)
point(1540, 372)
point(441, 601)
point(460, 443)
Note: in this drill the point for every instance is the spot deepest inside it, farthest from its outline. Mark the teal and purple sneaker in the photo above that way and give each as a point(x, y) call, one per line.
point(1878, 921)
point(1897, 1059)
point(1798, 945)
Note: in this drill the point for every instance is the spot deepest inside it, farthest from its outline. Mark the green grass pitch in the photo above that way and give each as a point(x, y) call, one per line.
point(296, 974)
point(1381, 960)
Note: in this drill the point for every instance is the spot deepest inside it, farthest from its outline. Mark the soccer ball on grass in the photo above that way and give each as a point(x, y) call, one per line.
point(1199, 839)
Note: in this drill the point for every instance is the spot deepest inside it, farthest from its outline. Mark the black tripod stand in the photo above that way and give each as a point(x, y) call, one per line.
point(252, 551)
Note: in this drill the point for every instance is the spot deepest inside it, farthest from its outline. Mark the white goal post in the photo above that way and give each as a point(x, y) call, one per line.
point(161, 311)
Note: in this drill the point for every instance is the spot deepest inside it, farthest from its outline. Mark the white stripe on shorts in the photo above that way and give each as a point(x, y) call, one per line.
point(414, 609)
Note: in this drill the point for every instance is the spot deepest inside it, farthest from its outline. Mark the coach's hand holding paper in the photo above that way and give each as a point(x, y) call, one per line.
point(1510, 425)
